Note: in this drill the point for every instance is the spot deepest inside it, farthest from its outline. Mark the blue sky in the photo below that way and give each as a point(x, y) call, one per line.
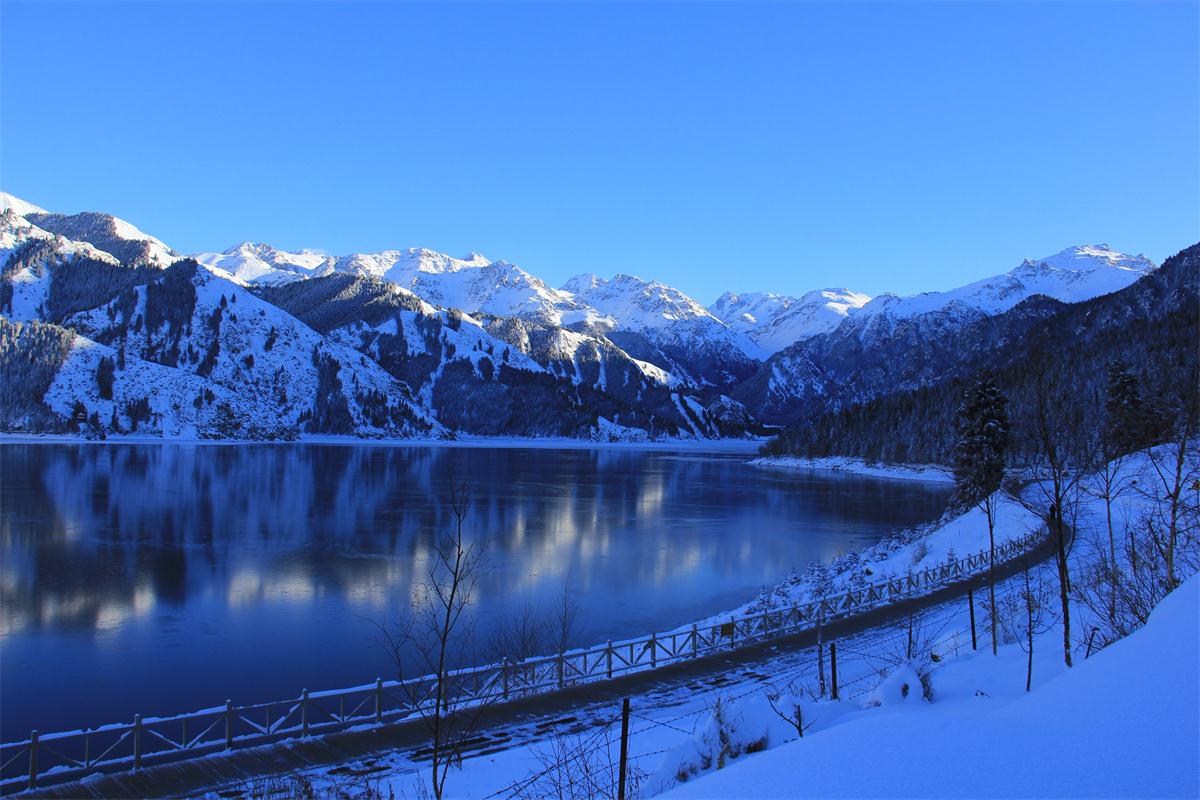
point(783, 146)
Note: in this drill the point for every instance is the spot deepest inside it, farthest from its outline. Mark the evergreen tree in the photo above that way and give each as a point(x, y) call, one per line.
point(1130, 422)
point(105, 373)
point(983, 431)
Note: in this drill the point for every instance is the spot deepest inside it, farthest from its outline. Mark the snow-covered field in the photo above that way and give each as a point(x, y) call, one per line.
point(921, 713)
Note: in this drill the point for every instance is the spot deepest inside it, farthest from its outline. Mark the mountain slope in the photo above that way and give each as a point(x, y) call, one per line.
point(496, 375)
point(861, 356)
point(774, 321)
point(1059, 349)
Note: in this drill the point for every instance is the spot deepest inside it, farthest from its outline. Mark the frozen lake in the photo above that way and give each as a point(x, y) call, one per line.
point(159, 578)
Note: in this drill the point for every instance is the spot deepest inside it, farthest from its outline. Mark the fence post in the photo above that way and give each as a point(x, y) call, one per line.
point(695, 640)
point(33, 748)
point(378, 700)
point(137, 741)
point(504, 675)
point(624, 748)
point(608, 655)
point(821, 651)
point(971, 603)
point(228, 724)
point(732, 631)
point(561, 656)
point(304, 711)
point(653, 651)
point(833, 693)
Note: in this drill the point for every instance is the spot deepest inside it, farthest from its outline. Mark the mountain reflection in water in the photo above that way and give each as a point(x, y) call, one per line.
point(159, 578)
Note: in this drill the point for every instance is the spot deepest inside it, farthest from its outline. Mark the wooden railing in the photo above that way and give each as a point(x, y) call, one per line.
point(56, 757)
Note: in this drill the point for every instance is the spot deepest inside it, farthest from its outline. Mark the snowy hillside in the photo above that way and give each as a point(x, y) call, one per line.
point(775, 321)
point(896, 342)
point(1065, 735)
point(261, 263)
point(1075, 274)
point(17, 205)
point(666, 328)
point(110, 234)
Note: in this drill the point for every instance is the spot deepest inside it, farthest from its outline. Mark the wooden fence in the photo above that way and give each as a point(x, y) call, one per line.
point(56, 757)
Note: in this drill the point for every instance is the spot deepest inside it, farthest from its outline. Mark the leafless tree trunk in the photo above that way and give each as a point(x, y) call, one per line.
point(989, 509)
point(565, 614)
point(432, 637)
point(1176, 472)
point(1053, 437)
point(1111, 487)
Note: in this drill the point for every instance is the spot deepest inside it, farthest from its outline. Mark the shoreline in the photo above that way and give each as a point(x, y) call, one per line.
point(732, 446)
point(927, 473)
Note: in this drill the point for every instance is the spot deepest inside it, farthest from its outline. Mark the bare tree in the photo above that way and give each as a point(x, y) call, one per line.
point(577, 766)
point(433, 636)
point(1064, 451)
point(1176, 468)
point(787, 703)
point(565, 613)
point(521, 636)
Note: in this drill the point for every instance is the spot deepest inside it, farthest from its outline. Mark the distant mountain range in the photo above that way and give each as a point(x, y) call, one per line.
point(106, 328)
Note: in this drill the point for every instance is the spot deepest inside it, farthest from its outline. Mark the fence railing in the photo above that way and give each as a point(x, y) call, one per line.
point(57, 757)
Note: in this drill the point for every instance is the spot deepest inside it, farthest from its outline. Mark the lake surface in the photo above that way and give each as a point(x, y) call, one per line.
point(159, 578)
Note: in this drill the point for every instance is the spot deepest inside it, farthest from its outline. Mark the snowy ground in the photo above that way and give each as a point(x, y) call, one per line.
point(1121, 724)
point(912, 472)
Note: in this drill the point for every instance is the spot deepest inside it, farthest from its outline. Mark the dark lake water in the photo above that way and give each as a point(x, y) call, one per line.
point(160, 578)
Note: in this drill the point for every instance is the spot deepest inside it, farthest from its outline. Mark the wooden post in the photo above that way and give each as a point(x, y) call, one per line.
point(821, 651)
point(228, 724)
point(561, 656)
point(653, 652)
point(695, 641)
point(833, 670)
point(33, 748)
point(608, 654)
point(624, 748)
point(504, 675)
point(971, 603)
point(87, 747)
point(137, 741)
point(378, 700)
point(304, 712)
point(732, 631)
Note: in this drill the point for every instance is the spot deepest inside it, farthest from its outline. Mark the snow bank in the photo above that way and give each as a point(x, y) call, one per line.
point(905, 472)
point(1123, 723)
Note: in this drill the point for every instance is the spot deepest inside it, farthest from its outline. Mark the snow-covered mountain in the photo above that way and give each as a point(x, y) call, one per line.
point(108, 233)
point(878, 337)
point(775, 321)
point(1075, 274)
point(662, 325)
point(472, 284)
point(101, 345)
point(417, 342)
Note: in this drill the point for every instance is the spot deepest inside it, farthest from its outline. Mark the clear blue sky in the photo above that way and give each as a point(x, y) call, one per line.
point(879, 146)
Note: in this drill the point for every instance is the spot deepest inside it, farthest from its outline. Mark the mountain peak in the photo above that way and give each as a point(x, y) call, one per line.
point(18, 206)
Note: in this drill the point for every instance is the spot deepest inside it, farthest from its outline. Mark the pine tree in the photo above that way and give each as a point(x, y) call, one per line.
point(983, 432)
point(1130, 422)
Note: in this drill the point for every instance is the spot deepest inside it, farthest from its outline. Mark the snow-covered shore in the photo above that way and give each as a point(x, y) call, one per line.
point(931, 473)
point(734, 446)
